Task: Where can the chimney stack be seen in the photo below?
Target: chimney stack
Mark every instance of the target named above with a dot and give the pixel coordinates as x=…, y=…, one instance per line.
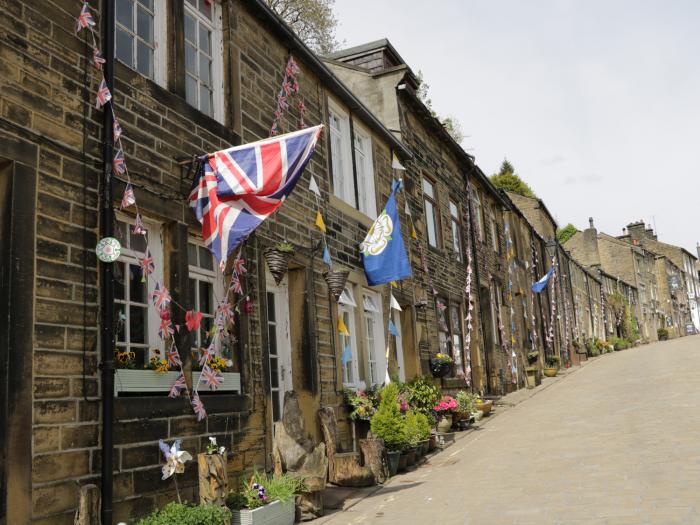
x=590, y=222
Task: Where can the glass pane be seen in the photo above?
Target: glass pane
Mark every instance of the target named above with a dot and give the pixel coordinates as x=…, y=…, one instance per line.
x=272, y=339
x=191, y=90
x=206, y=260
x=191, y=59
x=137, y=324
x=124, y=51
x=119, y=229
x=205, y=301
x=205, y=8
x=119, y=281
x=428, y=188
x=190, y=29
x=204, y=327
x=276, y=412
x=204, y=39
x=121, y=325
x=430, y=223
x=455, y=319
x=144, y=59
x=271, y=307
x=137, y=242
x=192, y=294
x=137, y=287
x=125, y=13
x=148, y=4
x=145, y=25
x=453, y=210
x=274, y=374
x=192, y=254
x=204, y=69
x=204, y=99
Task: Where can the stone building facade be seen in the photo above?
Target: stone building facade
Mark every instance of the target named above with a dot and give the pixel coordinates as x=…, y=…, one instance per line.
x=51, y=168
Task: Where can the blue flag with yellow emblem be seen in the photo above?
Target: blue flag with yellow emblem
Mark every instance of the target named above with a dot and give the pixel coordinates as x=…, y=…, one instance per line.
x=383, y=251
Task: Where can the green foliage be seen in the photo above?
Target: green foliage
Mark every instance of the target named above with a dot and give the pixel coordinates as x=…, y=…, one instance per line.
x=566, y=233
x=662, y=333
x=422, y=395
x=553, y=361
x=424, y=426
x=188, y=515
x=312, y=20
x=363, y=403
x=619, y=343
x=282, y=488
x=450, y=122
x=388, y=423
x=413, y=431
x=466, y=402
x=507, y=179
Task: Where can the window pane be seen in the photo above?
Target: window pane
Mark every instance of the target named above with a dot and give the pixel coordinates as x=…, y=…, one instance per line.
x=205, y=8
x=125, y=13
x=453, y=210
x=137, y=287
x=430, y=223
x=137, y=242
x=137, y=324
x=428, y=189
x=276, y=411
x=204, y=39
x=119, y=281
x=204, y=99
x=190, y=29
x=191, y=59
x=192, y=254
x=205, y=302
x=192, y=294
x=272, y=339
x=205, y=340
x=191, y=90
x=271, y=307
x=144, y=59
x=148, y=4
x=121, y=325
x=274, y=374
x=124, y=49
x=145, y=25
x=206, y=260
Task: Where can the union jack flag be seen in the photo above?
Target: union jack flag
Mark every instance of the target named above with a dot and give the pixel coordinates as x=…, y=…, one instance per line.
x=237, y=189
x=204, y=358
x=236, y=285
x=226, y=312
x=103, y=94
x=165, y=330
x=178, y=386
x=85, y=19
x=97, y=58
x=116, y=130
x=128, y=198
x=239, y=265
x=118, y=163
x=139, y=228
x=161, y=296
x=198, y=407
x=211, y=378
x=174, y=356
x=147, y=263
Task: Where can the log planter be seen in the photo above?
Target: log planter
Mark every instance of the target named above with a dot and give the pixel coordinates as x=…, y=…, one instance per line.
x=275, y=513
x=336, y=282
x=374, y=456
x=213, y=479
x=278, y=262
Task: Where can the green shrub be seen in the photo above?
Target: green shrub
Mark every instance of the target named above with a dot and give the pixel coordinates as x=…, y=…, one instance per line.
x=282, y=488
x=662, y=333
x=188, y=515
x=413, y=431
x=422, y=395
x=619, y=344
x=466, y=402
x=424, y=426
x=388, y=423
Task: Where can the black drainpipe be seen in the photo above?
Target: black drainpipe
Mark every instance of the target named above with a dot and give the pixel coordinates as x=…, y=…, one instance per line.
x=107, y=278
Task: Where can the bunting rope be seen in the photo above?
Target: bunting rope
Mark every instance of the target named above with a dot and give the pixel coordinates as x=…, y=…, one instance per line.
x=510, y=262
x=533, y=331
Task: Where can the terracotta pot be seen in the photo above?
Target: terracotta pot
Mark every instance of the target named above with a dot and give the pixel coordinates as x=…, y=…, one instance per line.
x=550, y=372
x=278, y=262
x=336, y=282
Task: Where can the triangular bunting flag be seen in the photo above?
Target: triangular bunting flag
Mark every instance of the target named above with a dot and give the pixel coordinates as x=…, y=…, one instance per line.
x=408, y=209
x=342, y=328
x=313, y=187
x=393, y=303
x=393, y=330
x=327, y=256
x=347, y=355
x=395, y=164
x=414, y=235
x=319, y=222
x=193, y=320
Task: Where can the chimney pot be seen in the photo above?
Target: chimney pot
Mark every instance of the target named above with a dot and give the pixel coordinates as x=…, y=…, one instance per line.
x=590, y=222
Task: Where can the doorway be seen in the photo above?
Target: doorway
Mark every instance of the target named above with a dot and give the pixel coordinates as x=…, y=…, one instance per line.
x=279, y=345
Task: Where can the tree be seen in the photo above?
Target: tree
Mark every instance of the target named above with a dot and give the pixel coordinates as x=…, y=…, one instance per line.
x=450, y=123
x=507, y=179
x=566, y=233
x=312, y=20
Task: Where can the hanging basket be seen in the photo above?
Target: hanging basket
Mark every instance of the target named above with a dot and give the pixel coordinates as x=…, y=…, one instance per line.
x=336, y=282
x=278, y=262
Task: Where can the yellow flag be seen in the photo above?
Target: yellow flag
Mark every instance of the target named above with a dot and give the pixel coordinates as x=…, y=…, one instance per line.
x=319, y=222
x=393, y=284
x=413, y=232
x=342, y=328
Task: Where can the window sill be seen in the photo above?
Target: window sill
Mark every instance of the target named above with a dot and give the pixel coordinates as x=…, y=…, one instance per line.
x=348, y=210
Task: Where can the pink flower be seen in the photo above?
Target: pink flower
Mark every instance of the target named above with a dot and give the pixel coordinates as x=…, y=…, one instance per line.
x=446, y=404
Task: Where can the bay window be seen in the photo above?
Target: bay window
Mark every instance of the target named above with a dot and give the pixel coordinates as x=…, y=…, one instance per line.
x=348, y=342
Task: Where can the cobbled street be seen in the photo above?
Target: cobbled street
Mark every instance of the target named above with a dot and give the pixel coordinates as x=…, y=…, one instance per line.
x=615, y=442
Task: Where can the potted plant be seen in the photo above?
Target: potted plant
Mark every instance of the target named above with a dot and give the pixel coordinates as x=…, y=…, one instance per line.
x=362, y=403
x=265, y=500
x=388, y=424
x=277, y=258
x=663, y=334
x=466, y=406
x=184, y=513
x=422, y=395
x=444, y=410
x=532, y=357
x=552, y=366
x=424, y=432
x=483, y=405
x=413, y=436
x=441, y=365
x=336, y=281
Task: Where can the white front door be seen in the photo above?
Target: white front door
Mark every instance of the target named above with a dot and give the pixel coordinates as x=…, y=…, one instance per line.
x=279, y=345
x=398, y=345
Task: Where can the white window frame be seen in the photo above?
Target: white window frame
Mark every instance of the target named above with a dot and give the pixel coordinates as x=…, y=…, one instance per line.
x=130, y=256
x=456, y=229
x=494, y=233
x=479, y=215
x=364, y=167
x=398, y=341
x=198, y=273
x=160, y=57
x=341, y=154
x=434, y=234
x=373, y=320
x=283, y=342
x=217, y=54
x=347, y=305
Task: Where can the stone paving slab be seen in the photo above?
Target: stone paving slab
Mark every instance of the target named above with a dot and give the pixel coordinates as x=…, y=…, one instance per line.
x=616, y=441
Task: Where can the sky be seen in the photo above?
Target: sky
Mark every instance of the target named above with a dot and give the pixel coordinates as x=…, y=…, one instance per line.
x=595, y=102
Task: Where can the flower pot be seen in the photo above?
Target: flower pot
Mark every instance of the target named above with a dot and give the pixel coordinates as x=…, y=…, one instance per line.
x=432, y=442
x=336, y=282
x=439, y=369
x=445, y=423
x=410, y=456
x=278, y=262
x=403, y=461
x=485, y=407
x=419, y=451
x=393, y=457
x=275, y=513
x=465, y=424
x=446, y=439
x=550, y=372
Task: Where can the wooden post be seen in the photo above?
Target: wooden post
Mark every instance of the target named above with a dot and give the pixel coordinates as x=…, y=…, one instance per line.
x=375, y=458
x=88, y=512
x=213, y=480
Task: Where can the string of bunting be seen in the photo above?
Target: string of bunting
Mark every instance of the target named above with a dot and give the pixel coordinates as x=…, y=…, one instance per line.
x=533, y=319
x=160, y=297
x=468, y=288
x=290, y=86
x=553, y=309
x=510, y=262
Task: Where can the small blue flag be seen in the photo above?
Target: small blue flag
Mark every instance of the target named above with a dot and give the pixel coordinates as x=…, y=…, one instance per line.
x=327, y=256
x=392, y=329
x=383, y=251
x=347, y=355
x=542, y=283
